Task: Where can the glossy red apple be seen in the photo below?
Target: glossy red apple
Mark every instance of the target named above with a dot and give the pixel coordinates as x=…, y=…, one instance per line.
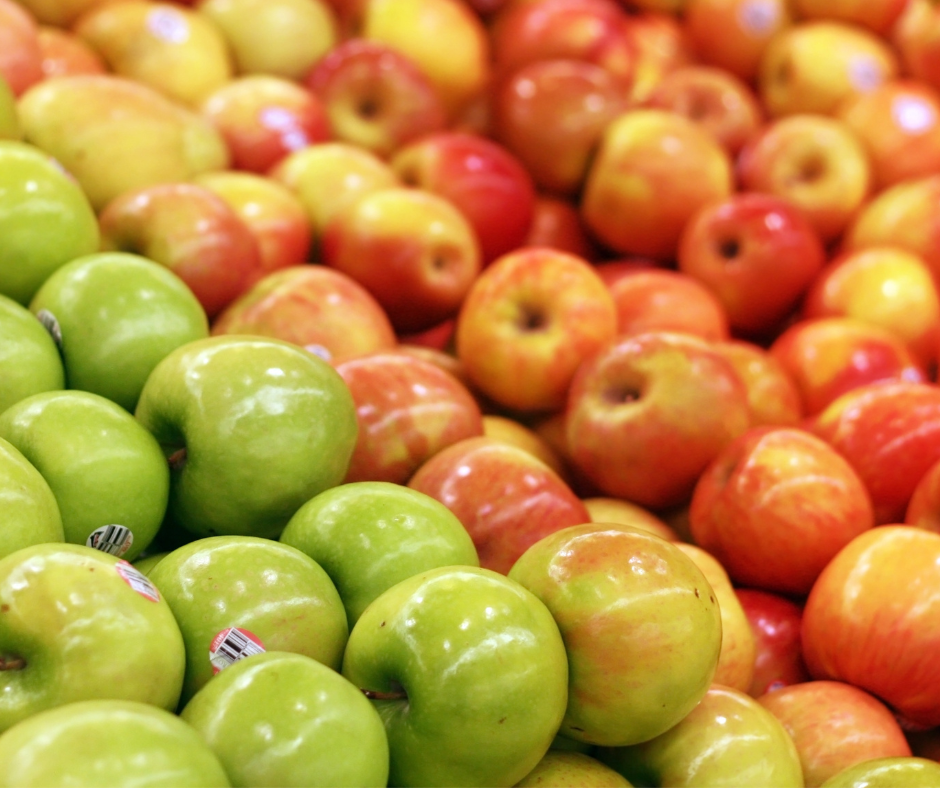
x=556, y=224
x=923, y=508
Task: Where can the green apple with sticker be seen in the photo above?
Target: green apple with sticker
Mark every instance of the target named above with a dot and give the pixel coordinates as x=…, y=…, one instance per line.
x=29, y=359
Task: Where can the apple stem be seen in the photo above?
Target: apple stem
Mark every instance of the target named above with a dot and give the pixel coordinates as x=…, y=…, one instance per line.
x=177, y=459
x=12, y=663
x=377, y=695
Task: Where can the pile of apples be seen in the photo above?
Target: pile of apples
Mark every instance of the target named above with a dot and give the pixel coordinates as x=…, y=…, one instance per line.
x=470, y=392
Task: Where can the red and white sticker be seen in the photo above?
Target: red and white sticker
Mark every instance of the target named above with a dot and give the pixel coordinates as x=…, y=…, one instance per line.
x=232, y=644
x=111, y=539
x=137, y=580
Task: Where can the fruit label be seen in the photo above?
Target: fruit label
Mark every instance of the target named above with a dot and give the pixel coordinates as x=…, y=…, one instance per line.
x=319, y=350
x=167, y=25
x=51, y=325
x=111, y=539
x=758, y=17
x=137, y=580
x=864, y=73
x=232, y=644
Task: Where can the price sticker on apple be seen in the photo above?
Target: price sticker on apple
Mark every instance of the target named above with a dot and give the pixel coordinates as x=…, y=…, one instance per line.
x=51, y=324
x=111, y=539
x=231, y=645
x=137, y=580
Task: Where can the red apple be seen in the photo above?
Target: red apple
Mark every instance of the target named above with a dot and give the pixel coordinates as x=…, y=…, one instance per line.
x=20, y=52
x=878, y=16
x=556, y=224
x=916, y=38
x=64, y=53
x=923, y=508
x=771, y=394
x=662, y=45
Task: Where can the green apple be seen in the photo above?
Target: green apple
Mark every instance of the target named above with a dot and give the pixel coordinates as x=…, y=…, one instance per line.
x=901, y=772
x=79, y=624
x=467, y=670
x=285, y=720
x=106, y=743
x=115, y=315
x=28, y=508
x=45, y=219
x=727, y=741
x=572, y=770
x=29, y=359
x=254, y=428
x=109, y=476
x=641, y=625
x=271, y=590
x=368, y=536
x=146, y=564
x=9, y=121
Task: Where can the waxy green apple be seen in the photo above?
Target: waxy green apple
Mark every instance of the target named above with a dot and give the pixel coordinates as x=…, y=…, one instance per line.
x=572, y=770
x=905, y=772
x=254, y=428
x=107, y=743
x=285, y=720
x=109, y=476
x=29, y=359
x=467, y=670
x=30, y=512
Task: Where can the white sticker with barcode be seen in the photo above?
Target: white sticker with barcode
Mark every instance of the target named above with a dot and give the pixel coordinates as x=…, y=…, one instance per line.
x=232, y=644
x=137, y=580
x=111, y=539
x=51, y=324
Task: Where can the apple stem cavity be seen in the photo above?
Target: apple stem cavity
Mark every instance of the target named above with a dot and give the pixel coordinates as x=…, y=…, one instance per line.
x=177, y=459
x=395, y=694
x=12, y=663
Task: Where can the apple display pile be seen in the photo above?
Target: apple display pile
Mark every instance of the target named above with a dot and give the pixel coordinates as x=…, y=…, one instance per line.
x=470, y=392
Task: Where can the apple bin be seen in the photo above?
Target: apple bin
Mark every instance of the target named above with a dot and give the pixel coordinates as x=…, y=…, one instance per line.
x=470, y=392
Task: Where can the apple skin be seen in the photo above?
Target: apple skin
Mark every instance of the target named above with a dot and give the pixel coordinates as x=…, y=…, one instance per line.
x=516, y=433
x=923, y=508
x=102, y=465
x=9, y=120
x=68, y=639
x=64, y=53
x=641, y=627
x=879, y=16
x=45, y=219
x=118, y=315
x=462, y=712
x=20, y=54
x=368, y=536
x=771, y=394
x=915, y=39
x=835, y=726
x=29, y=359
x=572, y=770
x=329, y=732
x=556, y=224
x=108, y=742
x=30, y=511
x=265, y=426
x=616, y=510
x=888, y=773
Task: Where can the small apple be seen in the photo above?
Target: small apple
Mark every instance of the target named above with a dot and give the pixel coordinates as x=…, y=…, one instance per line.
x=30, y=512
x=516, y=433
x=775, y=621
x=29, y=359
x=572, y=770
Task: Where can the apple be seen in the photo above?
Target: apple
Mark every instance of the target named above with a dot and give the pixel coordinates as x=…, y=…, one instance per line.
x=772, y=395
x=603, y=509
x=114, y=316
x=556, y=224
x=9, y=120
x=914, y=37
x=888, y=773
x=30, y=512
x=268, y=426
x=60, y=13
x=29, y=359
x=108, y=474
x=923, y=508
x=45, y=219
x=108, y=742
x=662, y=44
x=878, y=16
x=20, y=54
x=572, y=769
x=281, y=719
x=467, y=670
x=83, y=625
x=516, y=433
x=368, y=536
x=65, y=53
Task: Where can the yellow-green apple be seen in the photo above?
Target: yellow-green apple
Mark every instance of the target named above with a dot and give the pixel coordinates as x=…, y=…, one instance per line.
x=663, y=299
x=283, y=719
x=408, y=410
x=59, y=13
x=528, y=103
x=834, y=726
x=729, y=739
x=375, y=96
x=572, y=769
x=468, y=672
x=640, y=623
x=733, y=34
x=813, y=66
x=603, y=509
x=653, y=169
x=411, y=249
x=661, y=45
x=368, y=536
x=487, y=184
x=916, y=39
x=114, y=316
x=10, y=128
x=871, y=620
x=108, y=475
x=20, y=55
x=528, y=322
x=906, y=772
x=556, y=223
x=506, y=499
x=114, y=134
x=264, y=118
x=146, y=564
x=108, y=742
x=648, y=412
x=30, y=512
x=719, y=101
x=29, y=359
x=826, y=357
x=79, y=624
x=191, y=231
x=771, y=393
x=776, y=623
x=886, y=286
x=923, y=508
x=281, y=38
x=878, y=16
x=814, y=161
x=318, y=308
x=888, y=432
x=168, y=47
x=253, y=428
x=64, y=53
x=514, y=432
x=269, y=210
x=45, y=219
x=757, y=253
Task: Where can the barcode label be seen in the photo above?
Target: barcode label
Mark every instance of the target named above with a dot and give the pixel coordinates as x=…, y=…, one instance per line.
x=51, y=324
x=231, y=645
x=137, y=580
x=111, y=539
